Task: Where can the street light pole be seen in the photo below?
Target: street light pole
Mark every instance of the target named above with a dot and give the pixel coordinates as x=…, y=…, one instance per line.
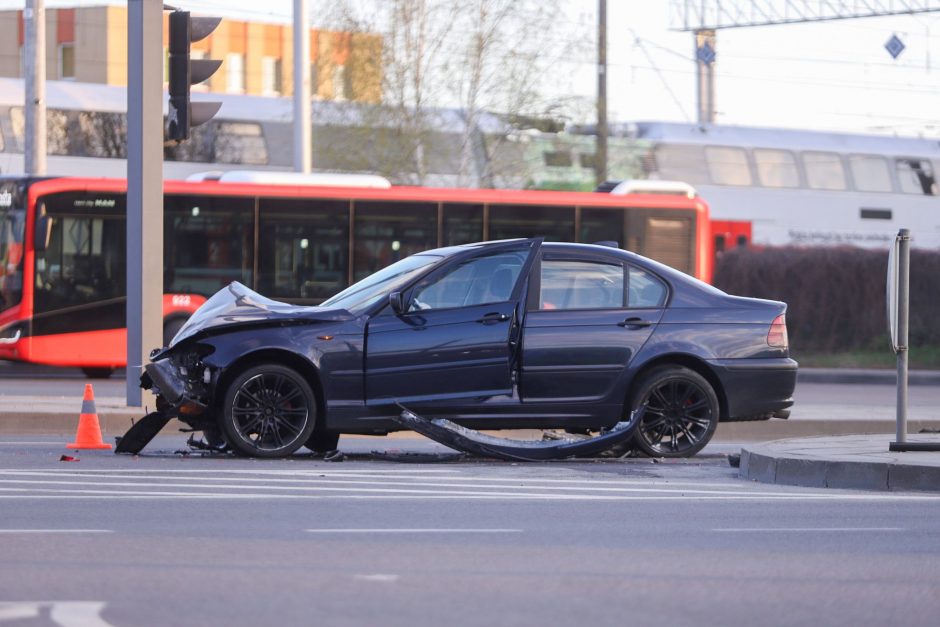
x=302, y=123
x=34, y=68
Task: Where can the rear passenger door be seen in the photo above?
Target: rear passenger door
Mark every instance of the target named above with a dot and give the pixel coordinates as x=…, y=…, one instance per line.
x=587, y=317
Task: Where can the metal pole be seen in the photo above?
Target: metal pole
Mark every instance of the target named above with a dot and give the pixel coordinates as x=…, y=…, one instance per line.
x=600, y=163
x=904, y=276
x=34, y=66
x=705, y=76
x=302, y=122
x=144, y=188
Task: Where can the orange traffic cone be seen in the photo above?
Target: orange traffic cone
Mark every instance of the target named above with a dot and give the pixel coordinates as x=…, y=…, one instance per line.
x=89, y=430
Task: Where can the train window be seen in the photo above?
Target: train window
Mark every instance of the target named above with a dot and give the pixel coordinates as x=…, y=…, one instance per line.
x=240, y=142
x=557, y=158
x=601, y=224
x=679, y=163
x=870, y=173
x=916, y=176
x=776, y=168
x=669, y=241
x=728, y=166
x=824, y=170
x=102, y=134
x=57, y=132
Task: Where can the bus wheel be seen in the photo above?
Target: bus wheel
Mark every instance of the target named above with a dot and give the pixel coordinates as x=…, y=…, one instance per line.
x=269, y=411
x=170, y=328
x=98, y=373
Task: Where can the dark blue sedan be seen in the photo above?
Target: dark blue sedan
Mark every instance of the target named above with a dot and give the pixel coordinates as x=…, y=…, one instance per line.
x=497, y=335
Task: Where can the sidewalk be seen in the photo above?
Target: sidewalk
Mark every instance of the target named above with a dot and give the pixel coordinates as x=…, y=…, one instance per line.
x=859, y=462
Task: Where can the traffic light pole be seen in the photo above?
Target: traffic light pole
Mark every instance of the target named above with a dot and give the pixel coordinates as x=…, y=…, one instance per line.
x=144, y=188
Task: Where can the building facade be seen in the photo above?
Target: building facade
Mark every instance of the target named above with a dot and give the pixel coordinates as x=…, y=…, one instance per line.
x=89, y=44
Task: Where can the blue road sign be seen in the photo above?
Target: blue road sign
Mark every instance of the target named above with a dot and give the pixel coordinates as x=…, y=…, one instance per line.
x=706, y=54
x=895, y=46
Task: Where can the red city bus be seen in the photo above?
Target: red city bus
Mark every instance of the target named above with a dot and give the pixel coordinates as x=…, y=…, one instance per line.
x=63, y=246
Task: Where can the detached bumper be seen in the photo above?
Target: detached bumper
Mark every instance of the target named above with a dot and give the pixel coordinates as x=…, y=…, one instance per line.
x=756, y=387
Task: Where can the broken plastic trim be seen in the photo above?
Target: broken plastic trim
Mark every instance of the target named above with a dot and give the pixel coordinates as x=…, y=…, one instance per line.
x=141, y=432
x=466, y=440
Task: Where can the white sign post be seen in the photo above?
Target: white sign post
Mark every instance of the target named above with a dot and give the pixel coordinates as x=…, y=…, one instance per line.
x=898, y=300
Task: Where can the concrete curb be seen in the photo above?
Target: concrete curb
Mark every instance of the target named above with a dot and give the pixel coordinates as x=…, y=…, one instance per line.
x=848, y=462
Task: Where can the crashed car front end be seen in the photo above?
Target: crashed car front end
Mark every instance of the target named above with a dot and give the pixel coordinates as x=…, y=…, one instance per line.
x=229, y=327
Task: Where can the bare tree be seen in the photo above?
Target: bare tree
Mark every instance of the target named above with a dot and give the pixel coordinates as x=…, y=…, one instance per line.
x=463, y=57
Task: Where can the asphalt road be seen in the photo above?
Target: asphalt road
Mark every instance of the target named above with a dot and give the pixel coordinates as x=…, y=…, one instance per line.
x=188, y=540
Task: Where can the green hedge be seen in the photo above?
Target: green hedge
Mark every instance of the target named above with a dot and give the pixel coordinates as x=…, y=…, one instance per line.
x=836, y=296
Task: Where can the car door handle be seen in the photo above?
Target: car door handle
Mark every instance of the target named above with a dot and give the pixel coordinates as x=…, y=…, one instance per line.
x=494, y=317
x=634, y=322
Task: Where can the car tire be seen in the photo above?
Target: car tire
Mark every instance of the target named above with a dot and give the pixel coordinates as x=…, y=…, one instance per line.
x=680, y=412
x=268, y=411
x=322, y=442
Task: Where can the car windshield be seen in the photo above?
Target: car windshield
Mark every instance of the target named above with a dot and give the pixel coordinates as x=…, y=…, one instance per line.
x=12, y=222
x=371, y=289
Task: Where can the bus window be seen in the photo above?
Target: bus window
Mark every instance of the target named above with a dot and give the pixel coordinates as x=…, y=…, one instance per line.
x=598, y=225
x=208, y=243
x=463, y=224
x=303, y=252
x=385, y=232
x=84, y=264
x=916, y=176
x=870, y=173
x=728, y=166
x=12, y=226
x=776, y=168
x=824, y=170
x=555, y=224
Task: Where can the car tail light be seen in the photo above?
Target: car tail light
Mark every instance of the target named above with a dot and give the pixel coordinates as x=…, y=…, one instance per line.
x=777, y=335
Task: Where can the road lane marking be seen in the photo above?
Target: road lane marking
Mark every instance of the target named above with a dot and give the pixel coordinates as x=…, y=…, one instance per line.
x=332, y=478
x=56, y=531
x=63, y=613
x=805, y=529
x=381, y=578
x=414, y=530
x=52, y=494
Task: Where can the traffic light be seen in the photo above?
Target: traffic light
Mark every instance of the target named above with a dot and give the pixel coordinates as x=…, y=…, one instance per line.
x=183, y=72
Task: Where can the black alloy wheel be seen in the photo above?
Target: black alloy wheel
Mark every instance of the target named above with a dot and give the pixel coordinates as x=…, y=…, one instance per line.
x=269, y=411
x=680, y=412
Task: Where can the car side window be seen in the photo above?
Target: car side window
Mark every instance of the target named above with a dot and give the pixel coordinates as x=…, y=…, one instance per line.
x=645, y=290
x=481, y=280
x=568, y=284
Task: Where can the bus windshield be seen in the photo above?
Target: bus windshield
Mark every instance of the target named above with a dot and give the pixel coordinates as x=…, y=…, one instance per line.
x=368, y=291
x=12, y=226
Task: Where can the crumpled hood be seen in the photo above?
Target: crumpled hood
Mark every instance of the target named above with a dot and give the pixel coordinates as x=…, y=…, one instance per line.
x=237, y=305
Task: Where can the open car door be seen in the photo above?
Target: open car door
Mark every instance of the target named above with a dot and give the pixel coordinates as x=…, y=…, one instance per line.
x=456, y=330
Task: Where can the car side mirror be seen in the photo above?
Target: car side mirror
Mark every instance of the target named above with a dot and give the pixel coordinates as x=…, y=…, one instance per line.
x=397, y=302
x=43, y=231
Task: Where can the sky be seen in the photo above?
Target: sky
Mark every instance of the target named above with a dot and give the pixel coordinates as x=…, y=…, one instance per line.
x=827, y=76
